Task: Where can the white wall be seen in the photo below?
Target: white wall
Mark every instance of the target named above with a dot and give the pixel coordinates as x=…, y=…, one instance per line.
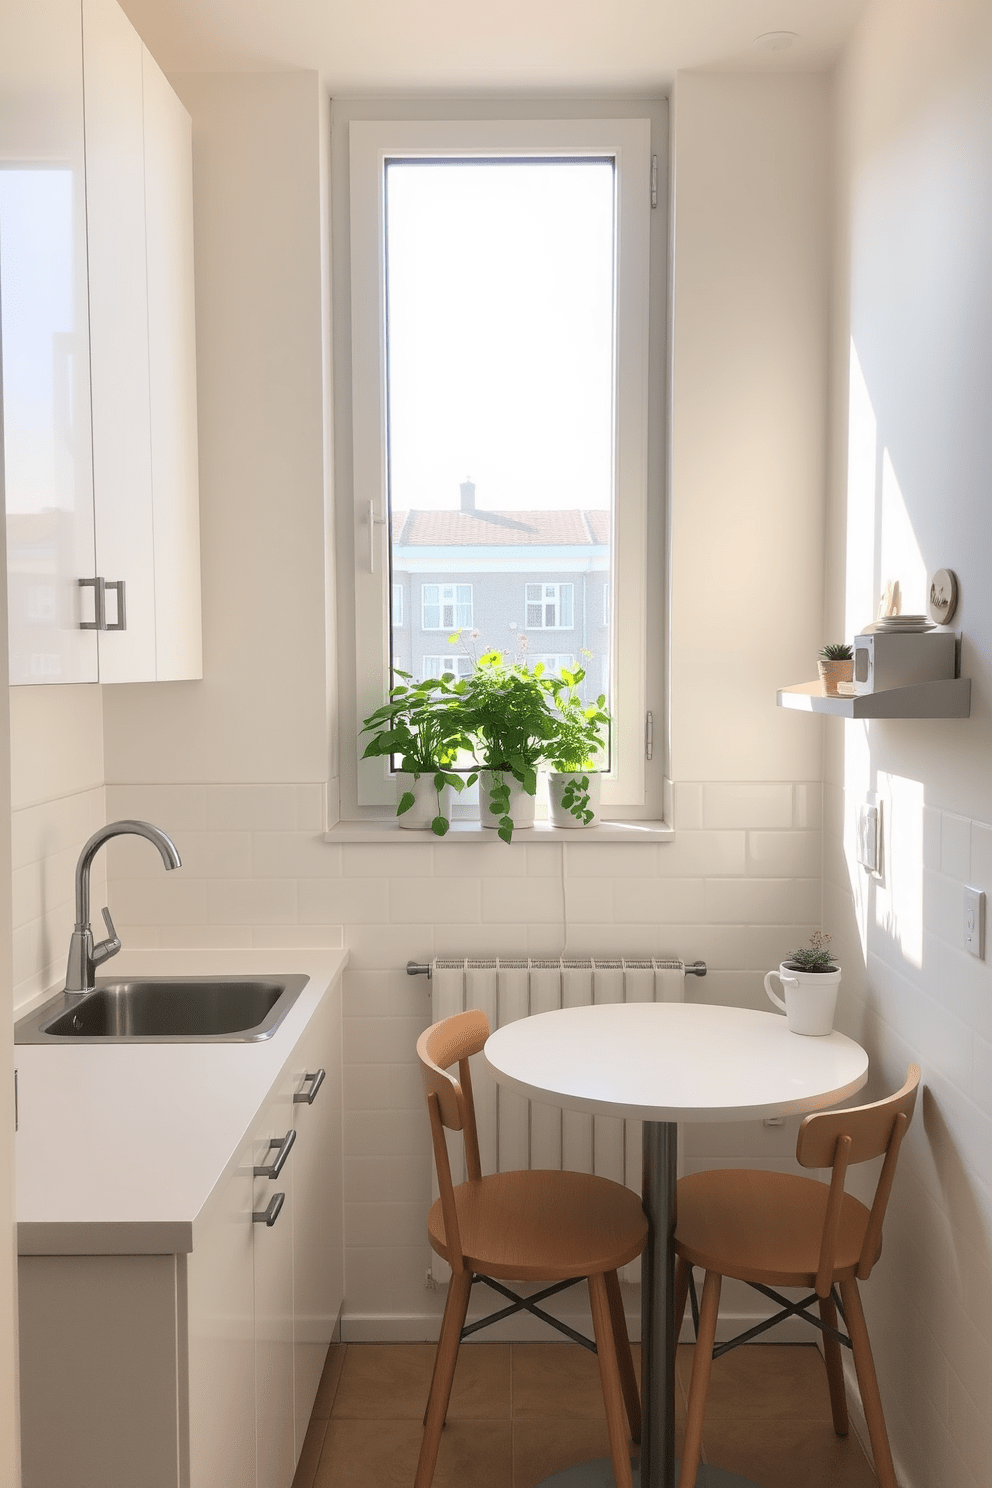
x=235, y=766
x=910, y=494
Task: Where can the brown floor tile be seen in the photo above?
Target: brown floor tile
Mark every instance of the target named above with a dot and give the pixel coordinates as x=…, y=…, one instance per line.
x=787, y=1454
x=390, y=1381
x=764, y=1381
x=327, y=1388
x=541, y=1448
x=306, y=1468
x=475, y=1454
x=555, y=1380
x=369, y=1454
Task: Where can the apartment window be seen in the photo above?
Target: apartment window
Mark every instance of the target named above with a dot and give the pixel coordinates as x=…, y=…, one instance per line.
x=398, y=621
x=550, y=606
x=446, y=606
x=496, y=274
x=436, y=666
x=554, y=663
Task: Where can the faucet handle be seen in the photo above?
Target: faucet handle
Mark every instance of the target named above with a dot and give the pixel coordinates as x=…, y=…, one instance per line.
x=106, y=948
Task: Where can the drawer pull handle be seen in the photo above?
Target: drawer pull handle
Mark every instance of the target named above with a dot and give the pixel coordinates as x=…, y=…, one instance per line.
x=273, y=1169
x=269, y=1215
x=306, y=1097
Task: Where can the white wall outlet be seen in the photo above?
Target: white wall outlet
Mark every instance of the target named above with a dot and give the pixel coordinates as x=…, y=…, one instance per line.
x=974, y=922
x=868, y=838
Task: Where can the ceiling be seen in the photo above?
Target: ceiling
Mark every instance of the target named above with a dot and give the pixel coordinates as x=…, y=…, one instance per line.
x=466, y=46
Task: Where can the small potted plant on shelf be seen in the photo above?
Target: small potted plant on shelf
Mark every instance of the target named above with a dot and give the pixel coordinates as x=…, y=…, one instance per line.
x=835, y=664
x=509, y=714
x=580, y=738
x=424, y=724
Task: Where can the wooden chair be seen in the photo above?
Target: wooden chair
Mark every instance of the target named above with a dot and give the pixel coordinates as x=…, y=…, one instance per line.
x=523, y=1226
x=776, y=1229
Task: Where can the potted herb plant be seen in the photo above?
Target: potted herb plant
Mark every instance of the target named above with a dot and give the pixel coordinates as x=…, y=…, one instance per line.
x=509, y=714
x=578, y=742
x=424, y=724
x=835, y=664
x=810, y=978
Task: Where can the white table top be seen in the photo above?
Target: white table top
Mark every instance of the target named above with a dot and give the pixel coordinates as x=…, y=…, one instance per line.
x=674, y=1062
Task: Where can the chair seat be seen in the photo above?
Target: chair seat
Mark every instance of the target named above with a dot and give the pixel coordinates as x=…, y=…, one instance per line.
x=761, y=1226
x=543, y=1226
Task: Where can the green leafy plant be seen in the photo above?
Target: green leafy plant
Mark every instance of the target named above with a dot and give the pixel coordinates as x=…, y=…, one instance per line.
x=508, y=711
x=815, y=956
x=424, y=724
x=836, y=651
x=578, y=741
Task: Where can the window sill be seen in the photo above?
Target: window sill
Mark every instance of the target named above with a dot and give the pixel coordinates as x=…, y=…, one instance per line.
x=473, y=831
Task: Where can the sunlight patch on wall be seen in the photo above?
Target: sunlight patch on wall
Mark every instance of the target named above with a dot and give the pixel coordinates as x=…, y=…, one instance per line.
x=857, y=783
x=899, y=894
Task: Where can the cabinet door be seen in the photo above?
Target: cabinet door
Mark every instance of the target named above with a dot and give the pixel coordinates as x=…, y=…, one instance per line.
x=44, y=343
x=273, y=1265
x=115, y=202
x=221, y=1331
x=318, y=1268
x=172, y=377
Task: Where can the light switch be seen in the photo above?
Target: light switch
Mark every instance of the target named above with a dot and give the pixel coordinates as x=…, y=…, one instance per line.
x=974, y=922
x=868, y=838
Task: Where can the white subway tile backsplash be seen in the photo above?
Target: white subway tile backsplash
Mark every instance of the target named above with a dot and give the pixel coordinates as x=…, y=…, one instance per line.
x=377, y=946
x=476, y=860
x=484, y=939
x=381, y=1086
x=728, y=804
x=749, y=901
x=343, y=901
x=385, y=1134
x=612, y=860
x=981, y=857
x=390, y=1040
x=701, y=854
x=405, y=1179
x=687, y=805
x=293, y=855
x=174, y=808
x=204, y=855
x=178, y=936
x=368, y=860
x=252, y=901
x=170, y=898
x=385, y=1224
x=784, y=854
x=317, y=937
x=955, y=846
x=255, y=808
x=522, y=901
x=658, y=900
x=808, y=805
x=419, y=901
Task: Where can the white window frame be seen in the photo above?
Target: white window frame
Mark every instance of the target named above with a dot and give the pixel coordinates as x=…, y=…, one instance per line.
x=632, y=788
x=447, y=595
x=556, y=599
x=398, y=616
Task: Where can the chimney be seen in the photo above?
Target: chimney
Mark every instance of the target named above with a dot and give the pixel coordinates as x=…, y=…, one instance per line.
x=467, y=489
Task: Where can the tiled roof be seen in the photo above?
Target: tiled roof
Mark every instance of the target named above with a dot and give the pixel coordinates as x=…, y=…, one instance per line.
x=443, y=529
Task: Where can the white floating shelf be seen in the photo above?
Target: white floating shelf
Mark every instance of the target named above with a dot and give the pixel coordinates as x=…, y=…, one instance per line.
x=949, y=698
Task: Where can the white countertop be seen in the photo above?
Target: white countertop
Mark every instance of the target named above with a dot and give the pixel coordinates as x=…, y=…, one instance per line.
x=119, y=1149
x=674, y=1062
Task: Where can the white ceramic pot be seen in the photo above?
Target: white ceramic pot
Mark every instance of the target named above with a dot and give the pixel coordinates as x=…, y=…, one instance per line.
x=810, y=998
x=521, y=804
x=558, y=783
x=428, y=802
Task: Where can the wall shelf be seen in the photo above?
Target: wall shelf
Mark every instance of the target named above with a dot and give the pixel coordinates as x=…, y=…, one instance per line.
x=948, y=698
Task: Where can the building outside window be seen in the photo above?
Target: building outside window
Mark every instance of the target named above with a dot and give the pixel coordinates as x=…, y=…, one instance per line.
x=550, y=607
x=446, y=606
x=398, y=620
x=436, y=666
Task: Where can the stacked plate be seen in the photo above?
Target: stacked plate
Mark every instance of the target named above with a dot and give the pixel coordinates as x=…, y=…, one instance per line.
x=893, y=624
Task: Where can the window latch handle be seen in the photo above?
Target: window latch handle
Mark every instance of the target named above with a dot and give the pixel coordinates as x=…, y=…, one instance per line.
x=374, y=522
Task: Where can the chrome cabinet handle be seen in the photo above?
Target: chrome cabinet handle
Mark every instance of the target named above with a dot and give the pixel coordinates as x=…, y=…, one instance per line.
x=99, y=621
x=306, y=1097
x=273, y=1169
x=270, y=1214
x=121, y=623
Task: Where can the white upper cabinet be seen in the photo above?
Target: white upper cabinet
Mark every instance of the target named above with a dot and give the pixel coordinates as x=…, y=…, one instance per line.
x=99, y=376
x=44, y=344
x=143, y=363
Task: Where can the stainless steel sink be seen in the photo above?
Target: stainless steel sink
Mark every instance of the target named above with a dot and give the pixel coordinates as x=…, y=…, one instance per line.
x=176, y=1010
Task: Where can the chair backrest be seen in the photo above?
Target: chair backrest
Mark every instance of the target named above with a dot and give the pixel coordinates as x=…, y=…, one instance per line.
x=449, y=1101
x=837, y=1139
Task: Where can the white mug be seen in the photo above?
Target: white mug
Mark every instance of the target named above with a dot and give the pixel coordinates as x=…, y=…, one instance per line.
x=810, y=998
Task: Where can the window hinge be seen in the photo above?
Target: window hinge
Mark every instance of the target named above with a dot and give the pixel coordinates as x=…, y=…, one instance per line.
x=649, y=736
x=654, y=196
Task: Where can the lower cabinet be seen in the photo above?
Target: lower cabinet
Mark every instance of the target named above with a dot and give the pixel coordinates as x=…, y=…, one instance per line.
x=200, y=1370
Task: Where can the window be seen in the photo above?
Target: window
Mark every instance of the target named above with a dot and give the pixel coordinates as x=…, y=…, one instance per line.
x=446, y=606
x=494, y=275
x=554, y=663
x=436, y=666
x=550, y=607
x=398, y=607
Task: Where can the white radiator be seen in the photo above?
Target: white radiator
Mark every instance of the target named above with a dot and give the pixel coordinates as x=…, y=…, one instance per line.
x=513, y=1131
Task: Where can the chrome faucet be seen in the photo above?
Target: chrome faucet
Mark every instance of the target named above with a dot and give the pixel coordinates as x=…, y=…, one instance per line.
x=84, y=956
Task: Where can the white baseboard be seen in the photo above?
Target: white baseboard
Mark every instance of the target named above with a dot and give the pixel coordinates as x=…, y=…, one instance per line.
x=423, y=1327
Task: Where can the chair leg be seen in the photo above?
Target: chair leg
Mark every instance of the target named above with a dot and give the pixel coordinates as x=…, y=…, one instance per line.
x=835, y=1369
x=621, y=1342
x=868, y=1383
x=609, y=1378
x=702, y=1364
x=455, y=1308
x=682, y=1269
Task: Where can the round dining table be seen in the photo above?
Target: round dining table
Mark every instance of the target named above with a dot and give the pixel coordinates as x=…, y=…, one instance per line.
x=662, y=1063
